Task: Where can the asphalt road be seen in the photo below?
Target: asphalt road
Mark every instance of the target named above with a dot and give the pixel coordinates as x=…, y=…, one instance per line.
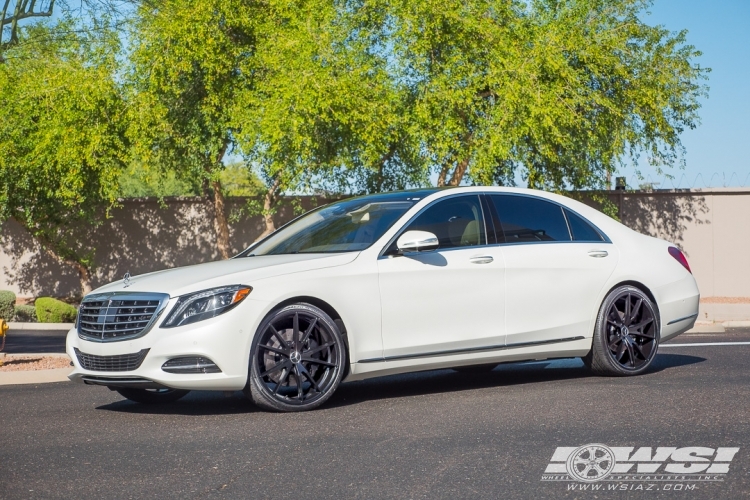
x=435, y=434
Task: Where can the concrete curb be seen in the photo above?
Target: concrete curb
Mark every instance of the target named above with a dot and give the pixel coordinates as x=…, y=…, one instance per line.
x=36, y=376
x=40, y=326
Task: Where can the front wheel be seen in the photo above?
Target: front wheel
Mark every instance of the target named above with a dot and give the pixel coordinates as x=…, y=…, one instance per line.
x=151, y=396
x=626, y=336
x=297, y=359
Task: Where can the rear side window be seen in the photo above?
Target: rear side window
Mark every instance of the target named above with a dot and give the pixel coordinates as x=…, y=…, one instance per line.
x=526, y=219
x=581, y=229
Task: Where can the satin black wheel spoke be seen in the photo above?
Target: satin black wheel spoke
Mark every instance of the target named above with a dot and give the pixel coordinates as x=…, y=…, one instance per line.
x=617, y=321
x=316, y=361
x=643, y=334
x=639, y=348
x=642, y=324
x=631, y=354
x=298, y=377
x=278, y=336
x=614, y=343
x=282, y=379
x=319, y=348
x=295, y=332
x=621, y=351
x=626, y=315
x=309, y=330
x=276, y=367
x=307, y=375
x=636, y=310
x=274, y=349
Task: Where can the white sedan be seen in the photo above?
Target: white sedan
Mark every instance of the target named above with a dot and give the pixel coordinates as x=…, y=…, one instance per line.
x=461, y=278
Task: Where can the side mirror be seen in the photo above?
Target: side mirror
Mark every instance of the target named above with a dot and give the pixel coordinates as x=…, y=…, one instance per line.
x=417, y=241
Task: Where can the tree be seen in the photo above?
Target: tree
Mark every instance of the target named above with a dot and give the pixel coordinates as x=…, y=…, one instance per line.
x=560, y=92
x=184, y=79
x=61, y=137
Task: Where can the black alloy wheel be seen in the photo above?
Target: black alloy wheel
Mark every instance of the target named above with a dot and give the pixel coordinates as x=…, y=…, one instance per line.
x=151, y=396
x=297, y=359
x=627, y=334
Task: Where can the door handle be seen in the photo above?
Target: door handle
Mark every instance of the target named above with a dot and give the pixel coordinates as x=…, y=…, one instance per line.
x=598, y=253
x=482, y=259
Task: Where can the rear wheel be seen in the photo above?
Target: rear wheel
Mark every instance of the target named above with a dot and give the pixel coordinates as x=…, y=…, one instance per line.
x=151, y=396
x=297, y=359
x=626, y=337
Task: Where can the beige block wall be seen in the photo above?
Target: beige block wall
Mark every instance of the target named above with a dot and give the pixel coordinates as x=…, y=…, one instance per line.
x=711, y=226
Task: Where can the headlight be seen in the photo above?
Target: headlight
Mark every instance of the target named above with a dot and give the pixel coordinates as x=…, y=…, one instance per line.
x=206, y=304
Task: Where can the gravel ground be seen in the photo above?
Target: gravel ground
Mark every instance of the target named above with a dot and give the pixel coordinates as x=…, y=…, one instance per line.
x=15, y=363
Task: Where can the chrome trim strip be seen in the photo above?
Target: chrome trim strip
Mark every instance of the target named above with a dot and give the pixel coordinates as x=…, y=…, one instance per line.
x=682, y=319
x=468, y=350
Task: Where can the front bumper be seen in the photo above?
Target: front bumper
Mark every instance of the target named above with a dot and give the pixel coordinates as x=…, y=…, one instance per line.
x=224, y=339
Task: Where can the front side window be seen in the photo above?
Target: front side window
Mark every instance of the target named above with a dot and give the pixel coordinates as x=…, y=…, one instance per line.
x=346, y=226
x=525, y=219
x=457, y=222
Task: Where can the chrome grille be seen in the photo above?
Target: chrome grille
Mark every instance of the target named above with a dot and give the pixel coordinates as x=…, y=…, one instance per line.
x=118, y=316
x=119, y=363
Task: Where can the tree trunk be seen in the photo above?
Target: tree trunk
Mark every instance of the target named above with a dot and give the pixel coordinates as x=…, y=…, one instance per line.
x=221, y=224
x=268, y=202
x=443, y=174
x=84, y=273
x=458, y=173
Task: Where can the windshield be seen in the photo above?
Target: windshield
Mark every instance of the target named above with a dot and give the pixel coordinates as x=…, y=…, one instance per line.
x=345, y=226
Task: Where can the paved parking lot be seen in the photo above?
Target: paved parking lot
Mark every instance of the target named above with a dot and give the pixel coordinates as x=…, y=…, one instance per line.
x=436, y=434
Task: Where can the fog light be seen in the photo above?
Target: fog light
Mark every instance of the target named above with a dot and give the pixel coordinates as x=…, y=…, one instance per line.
x=193, y=364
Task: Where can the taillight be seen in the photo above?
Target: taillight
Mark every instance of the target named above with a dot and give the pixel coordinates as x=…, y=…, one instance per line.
x=680, y=257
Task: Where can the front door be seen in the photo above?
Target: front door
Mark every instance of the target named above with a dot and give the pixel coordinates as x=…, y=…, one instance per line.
x=449, y=299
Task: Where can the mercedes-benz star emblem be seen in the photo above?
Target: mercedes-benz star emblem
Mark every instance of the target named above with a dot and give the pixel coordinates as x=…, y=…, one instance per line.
x=295, y=357
x=126, y=279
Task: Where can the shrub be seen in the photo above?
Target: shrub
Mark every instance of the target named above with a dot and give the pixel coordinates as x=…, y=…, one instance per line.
x=26, y=314
x=7, y=303
x=49, y=310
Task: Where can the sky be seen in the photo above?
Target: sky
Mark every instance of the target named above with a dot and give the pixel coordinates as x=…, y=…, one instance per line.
x=717, y=150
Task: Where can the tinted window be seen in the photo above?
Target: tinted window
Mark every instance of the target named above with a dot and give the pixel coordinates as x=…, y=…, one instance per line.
x=527, y=219
x=582, y=230
x=457, y=222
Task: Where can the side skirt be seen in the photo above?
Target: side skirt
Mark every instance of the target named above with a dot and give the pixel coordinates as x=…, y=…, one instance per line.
x=469, y=350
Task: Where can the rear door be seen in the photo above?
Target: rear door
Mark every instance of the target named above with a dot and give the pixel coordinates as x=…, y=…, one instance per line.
x=556, y=264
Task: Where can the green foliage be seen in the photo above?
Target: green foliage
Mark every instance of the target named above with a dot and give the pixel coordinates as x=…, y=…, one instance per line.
x=49, y=310
x=61, y=134
x=7, y=304
x=238, y=180
x=26, y=314
x=138, y=181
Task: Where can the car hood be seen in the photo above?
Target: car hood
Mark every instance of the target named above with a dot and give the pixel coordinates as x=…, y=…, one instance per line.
x=239, y=271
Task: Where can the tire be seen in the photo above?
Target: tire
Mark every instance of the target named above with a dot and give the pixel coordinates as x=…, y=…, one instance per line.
x=474, y=369
x=626, y=336
x=297, y=360
x=151, y=396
